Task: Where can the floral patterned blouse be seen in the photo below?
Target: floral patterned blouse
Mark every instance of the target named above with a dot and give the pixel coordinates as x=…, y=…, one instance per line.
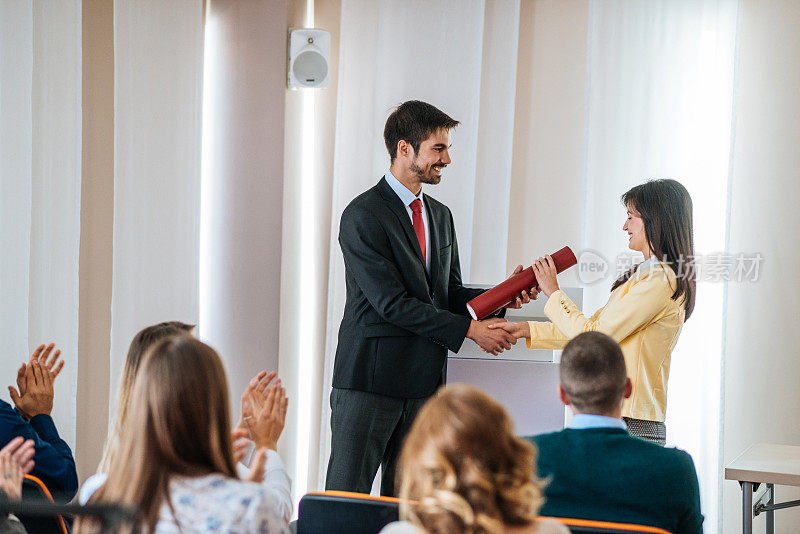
x=221, y=504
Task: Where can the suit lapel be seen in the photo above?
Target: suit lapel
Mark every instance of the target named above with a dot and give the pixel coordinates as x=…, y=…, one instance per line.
x=397, y=207
x=433, y=227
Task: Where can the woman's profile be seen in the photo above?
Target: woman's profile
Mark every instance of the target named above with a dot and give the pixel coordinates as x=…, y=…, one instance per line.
x=647, y=306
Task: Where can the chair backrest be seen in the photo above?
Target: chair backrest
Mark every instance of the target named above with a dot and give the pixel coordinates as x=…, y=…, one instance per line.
x=588, y=526
x=33, y=490
x=342, y=512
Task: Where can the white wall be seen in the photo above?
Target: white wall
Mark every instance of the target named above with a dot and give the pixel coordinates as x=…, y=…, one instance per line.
x=762, y=370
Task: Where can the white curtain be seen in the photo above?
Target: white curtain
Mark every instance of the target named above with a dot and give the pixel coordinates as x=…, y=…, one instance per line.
x=40, y=162
x=158, y=56
x=659, y=104
x=467, y=68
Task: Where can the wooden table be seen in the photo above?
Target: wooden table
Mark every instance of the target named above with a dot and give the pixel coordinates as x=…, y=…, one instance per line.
x=764, y=464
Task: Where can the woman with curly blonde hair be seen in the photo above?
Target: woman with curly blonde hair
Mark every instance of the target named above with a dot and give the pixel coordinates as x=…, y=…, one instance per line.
x=467, y=471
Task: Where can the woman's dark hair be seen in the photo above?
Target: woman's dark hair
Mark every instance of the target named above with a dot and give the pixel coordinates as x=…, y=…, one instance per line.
x=666, y=210
x=414, y=121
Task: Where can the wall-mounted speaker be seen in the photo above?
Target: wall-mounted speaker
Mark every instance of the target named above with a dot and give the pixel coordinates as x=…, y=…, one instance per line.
x=309, y=58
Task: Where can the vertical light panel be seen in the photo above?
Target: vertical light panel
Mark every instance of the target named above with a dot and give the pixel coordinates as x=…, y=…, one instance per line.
x=309, y=295
x=158, y=52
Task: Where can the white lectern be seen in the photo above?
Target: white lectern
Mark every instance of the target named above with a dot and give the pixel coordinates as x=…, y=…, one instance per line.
x=523, y=380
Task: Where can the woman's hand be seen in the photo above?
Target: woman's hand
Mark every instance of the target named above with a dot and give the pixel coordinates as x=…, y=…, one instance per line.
x=268, y=415
x=16, y=459
x=240, y=444
x=258, y=466
x=526, y=295
x=518, y=330
x=545, y=271
x=258, y=384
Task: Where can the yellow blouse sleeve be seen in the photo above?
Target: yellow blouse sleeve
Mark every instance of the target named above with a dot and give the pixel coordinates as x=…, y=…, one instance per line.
x=545, y=336
x=644, y=299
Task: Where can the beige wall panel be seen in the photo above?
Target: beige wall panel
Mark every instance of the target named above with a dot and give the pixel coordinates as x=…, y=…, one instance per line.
x=547, y=170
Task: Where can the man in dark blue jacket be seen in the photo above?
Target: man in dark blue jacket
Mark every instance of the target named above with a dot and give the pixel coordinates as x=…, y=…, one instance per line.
x=30, y=418
x=594, y=468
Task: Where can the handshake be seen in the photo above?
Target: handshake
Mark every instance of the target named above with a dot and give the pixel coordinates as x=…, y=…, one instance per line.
x=495, y=335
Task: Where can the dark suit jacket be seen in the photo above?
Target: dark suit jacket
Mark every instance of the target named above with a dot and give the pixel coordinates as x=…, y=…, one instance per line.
x=53, y=461
x=398, y=321
x=606, y=474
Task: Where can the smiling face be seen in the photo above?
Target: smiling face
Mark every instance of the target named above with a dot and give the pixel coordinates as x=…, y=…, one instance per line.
x=637, y=239
x=431, y=159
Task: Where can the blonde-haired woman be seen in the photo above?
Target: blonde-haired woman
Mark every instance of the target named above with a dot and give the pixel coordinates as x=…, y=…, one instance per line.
x=175, y=462
x=467, y=471
x=141, y=342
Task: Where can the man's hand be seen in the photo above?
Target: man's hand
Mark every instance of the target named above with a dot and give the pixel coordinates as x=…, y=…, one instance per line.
x=43, y=356
x=517, y=330
x=16, y=459
x=493, y=341
x=525, y=296
x=268, y=409
x=38, y=396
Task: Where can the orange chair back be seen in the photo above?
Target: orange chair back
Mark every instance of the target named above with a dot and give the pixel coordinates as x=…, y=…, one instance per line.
x=588, y=526
x=34, y=482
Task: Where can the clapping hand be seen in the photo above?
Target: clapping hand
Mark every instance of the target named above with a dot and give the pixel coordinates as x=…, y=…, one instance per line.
x=36, y=396
x=49, y=361
x=16, y=459
x=264, y=407
x=257, y=384
x=526, y=295
x=265, y=414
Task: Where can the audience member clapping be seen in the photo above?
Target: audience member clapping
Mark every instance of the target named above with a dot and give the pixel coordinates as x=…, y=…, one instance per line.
x=30, y=419
x=467, y=470
x=16, y=459
x=141, y=342
x=175, y=461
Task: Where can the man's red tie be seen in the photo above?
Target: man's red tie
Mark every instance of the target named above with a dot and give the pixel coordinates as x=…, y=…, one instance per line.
x=419, y=225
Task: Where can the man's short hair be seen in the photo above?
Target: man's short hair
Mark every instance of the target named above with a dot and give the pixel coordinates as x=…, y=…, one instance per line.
x=414, y=121
x=593, y=373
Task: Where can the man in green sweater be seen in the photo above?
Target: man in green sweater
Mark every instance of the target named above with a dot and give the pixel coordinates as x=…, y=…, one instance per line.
x=595, y=469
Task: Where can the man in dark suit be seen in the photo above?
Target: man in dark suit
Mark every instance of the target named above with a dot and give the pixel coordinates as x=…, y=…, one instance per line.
x=595, y=469
x=405, y=304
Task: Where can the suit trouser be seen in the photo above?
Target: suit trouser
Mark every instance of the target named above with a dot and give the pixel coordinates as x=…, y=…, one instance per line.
x=367, y=431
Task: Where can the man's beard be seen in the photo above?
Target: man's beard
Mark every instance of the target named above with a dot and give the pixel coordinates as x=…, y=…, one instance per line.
x=425, y=177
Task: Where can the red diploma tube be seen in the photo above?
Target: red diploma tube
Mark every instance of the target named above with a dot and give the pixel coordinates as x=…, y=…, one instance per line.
x=504, y=294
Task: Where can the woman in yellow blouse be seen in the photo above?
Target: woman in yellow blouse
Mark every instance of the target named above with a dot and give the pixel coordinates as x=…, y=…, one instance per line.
x=647, y=307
